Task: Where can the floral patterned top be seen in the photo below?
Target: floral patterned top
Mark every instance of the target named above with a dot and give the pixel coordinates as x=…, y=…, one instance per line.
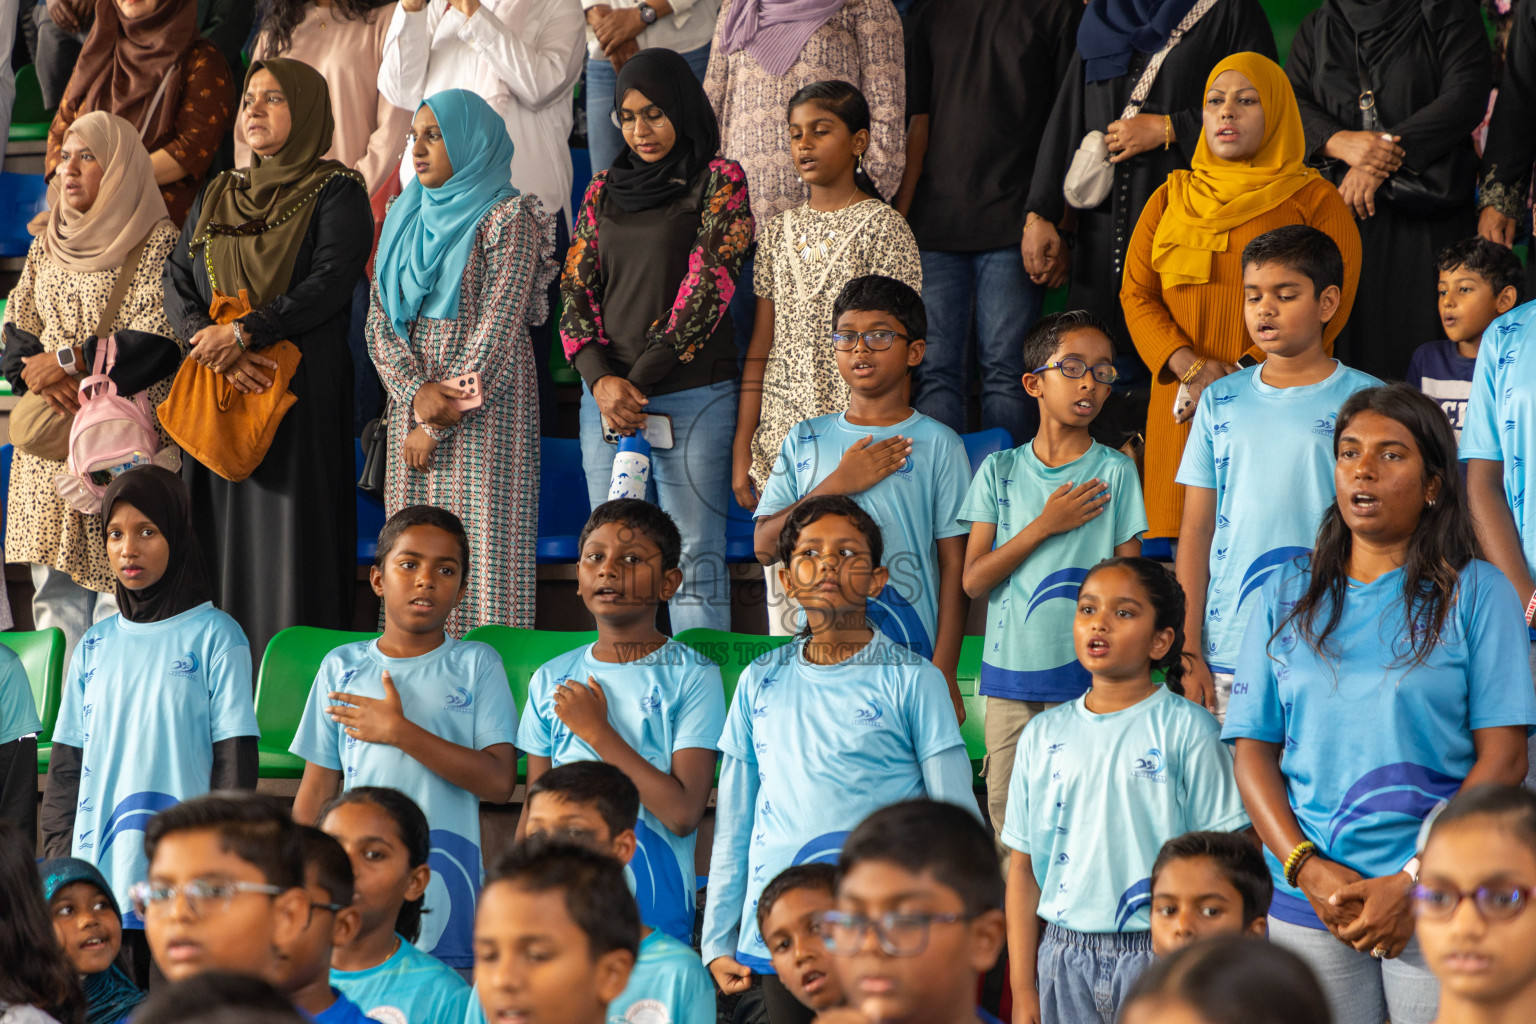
x=803, y=260
x=646, y=294
x=206, y=114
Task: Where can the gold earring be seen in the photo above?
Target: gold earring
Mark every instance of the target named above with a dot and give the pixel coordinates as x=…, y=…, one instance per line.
x=860, y=164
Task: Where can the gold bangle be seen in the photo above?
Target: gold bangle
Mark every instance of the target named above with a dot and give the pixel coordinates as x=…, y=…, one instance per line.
x=1194, y=370
x=1167, y=131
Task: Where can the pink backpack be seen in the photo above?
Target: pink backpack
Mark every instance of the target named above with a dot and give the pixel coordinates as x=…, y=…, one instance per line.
x=111, y=435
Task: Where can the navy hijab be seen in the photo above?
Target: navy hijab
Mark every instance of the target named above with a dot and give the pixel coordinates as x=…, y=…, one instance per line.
x=1112, y=31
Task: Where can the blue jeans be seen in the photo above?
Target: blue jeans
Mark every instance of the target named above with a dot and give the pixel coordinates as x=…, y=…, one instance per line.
x=1006, y=302
x=1084, y=977
x=604, y=141
x=691, y=481
x=1360, y=988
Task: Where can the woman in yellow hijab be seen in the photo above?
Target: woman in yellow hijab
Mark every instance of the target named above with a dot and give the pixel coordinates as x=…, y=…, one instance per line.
x=1183, y=286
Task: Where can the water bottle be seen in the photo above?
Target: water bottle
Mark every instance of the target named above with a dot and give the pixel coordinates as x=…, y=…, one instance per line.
x=631, y=468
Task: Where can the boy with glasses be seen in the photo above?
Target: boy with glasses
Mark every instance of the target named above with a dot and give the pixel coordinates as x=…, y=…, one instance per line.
x=1258, y=465
x=919, y=915
x=305, y=976
x=907, y=470
x=1041, y=515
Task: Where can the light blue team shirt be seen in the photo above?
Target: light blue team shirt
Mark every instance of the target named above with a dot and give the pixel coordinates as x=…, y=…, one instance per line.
x=1093, y=798
x=669, y=985
x=1028, y=652
x=1501, y=414
x=811, y=750
x=1267, y=452
x=18, y=711
x=458, y=692
x=410, y=987
x=671, y=700
x=145, y=702
x=1370, y=747
x=915, y=507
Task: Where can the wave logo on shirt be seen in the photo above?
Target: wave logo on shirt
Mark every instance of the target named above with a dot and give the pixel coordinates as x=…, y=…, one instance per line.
x=1222, y=463
x=1507, y=358
x=644, y=1011
x=803, y=465
x=824, y=849
x=132, y=813
x=907, y=466
x=1261, y=568
x=870, y=716
x=1224, y=399
x=1323, y=425
x=1399, y=790
x=186, y=665
x=90, y=643
x=891, y=613
x=1055, y=748
x=460, y=700
x=807, y=437
x=1221, y=554
x=84, y=841
x=1150, y=766
x=1063, y=583
x=448, y=930
x=650, y=704
x=87, y=676
x=1133, y=900
x=1221, y=428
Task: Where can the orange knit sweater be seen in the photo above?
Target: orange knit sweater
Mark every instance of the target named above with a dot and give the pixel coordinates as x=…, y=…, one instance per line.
x=1210, y=317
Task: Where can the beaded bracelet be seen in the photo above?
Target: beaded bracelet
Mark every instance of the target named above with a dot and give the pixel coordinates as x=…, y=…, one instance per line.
x=1299, y=856
x=1194, y=370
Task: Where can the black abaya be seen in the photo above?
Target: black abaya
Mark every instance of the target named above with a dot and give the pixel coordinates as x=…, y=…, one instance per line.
x=1504, y=181
x=1431, y=86
x=1098, y=262
x=281, y=545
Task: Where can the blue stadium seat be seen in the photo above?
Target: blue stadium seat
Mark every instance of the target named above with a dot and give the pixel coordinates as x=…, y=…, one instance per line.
x=738, y=534
x=370, y=515
x=22, y=196
x=563, y=503
x=983, y=443
x=1158, y=548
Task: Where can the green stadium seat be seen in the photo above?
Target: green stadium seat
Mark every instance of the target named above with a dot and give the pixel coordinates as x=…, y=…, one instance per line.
x=42, y=655
x=522, y=652
x=973, y=729
x=29, y=119
x=733, y=652
x=282, y=689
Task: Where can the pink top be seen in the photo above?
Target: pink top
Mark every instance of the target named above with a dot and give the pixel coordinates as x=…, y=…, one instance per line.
x=370, y=131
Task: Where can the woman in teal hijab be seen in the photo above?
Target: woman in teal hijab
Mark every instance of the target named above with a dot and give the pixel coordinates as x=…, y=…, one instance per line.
x=463, y=265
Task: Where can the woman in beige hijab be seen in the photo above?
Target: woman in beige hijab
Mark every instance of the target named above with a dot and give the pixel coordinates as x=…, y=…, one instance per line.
x=103, y=203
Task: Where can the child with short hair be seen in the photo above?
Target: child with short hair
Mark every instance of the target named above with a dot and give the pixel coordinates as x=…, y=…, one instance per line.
x=1208, y=883
x=419, y=710
x=635, y=699
x=224, y=889
x=595, y=805
x=1098, y=786
x=1040, y=516
x=789, y=920
x=1479, y=282
x=909, y=471
x=573, y=906
x=157, y=702
x=333, y=921
x=923, y=877
x=89, y=925
x=822, y=731
x=387, y=839
x=1258, y=466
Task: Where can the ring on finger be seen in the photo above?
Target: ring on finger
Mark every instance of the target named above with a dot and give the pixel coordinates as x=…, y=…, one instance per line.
x=1380, y=952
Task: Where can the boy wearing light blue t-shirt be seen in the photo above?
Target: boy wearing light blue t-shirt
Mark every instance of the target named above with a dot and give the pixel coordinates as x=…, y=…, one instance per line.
x=1258, y=465
x=908, y=470
x=418, y=711
x=19, y=726
x=1041, y=515
x=648, y=705
x=820, y=733
x=1498, y=442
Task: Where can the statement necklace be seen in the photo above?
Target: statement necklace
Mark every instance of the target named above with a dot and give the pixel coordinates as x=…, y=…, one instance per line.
x=814, y=250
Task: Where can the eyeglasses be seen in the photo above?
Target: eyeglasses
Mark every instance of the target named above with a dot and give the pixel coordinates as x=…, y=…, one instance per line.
x=432, y=135
x=624, y=120
x=203, y=897
x=1498, y=901
x=878, y=341
x=897, y=934
x=575, y=836
x=1104, y=373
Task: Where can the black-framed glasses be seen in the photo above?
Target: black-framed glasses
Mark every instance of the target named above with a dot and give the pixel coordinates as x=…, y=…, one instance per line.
x=1104, y=373
x=1497, y=901
x=624, y=120
x=877, y=341
x=203, y=896
x=898, y=934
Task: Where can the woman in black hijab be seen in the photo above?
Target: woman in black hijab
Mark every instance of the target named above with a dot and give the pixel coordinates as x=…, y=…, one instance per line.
x=658, y=246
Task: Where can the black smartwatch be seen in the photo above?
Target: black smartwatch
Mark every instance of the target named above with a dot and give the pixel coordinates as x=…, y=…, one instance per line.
x=647, y=13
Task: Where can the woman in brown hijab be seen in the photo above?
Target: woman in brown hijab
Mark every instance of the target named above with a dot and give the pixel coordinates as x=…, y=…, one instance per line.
x=145, y=62
x=291, y=232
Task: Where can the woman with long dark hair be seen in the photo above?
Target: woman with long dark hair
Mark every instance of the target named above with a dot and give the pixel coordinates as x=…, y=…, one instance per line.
x=38, y=984
x=1389, y=669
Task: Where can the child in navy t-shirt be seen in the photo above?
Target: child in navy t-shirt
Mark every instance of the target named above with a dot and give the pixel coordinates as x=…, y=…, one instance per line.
x=1479, y=281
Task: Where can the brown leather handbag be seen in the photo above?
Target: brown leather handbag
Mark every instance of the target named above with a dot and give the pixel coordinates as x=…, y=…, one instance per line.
x=224, y=428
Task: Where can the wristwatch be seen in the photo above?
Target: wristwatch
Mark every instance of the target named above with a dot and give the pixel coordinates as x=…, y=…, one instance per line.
x=66, y=357
x=647, y=13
